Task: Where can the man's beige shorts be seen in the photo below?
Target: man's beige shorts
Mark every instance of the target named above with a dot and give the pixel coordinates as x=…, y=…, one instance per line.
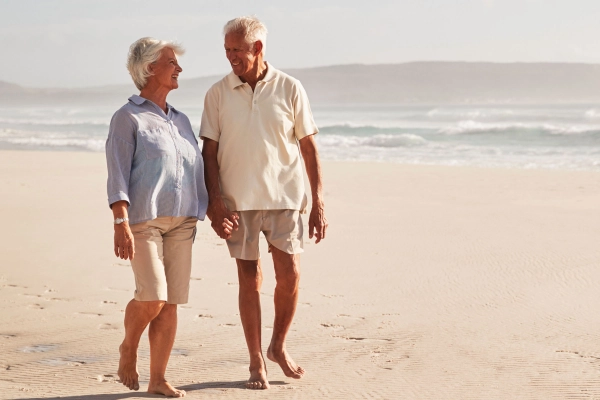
x=163, y=258
x=282, y=229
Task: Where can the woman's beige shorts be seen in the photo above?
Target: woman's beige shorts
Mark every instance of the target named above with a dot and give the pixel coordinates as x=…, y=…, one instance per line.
x=162, y=263
x=282, y=229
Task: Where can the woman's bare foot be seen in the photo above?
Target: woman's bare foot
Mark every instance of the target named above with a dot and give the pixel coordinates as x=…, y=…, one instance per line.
x=127, y=372
x=164, y=388
x=258, y=374
x=288, y=366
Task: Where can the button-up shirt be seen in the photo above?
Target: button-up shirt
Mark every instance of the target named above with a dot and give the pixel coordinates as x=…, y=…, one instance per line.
x=154, y=163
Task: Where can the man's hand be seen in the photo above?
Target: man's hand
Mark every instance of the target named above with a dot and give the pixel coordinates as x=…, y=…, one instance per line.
x=317, y=223
x=223, y=221
x=124, y=246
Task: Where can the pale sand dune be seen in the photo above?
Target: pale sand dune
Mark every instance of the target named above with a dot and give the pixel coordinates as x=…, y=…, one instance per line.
x=433, y=283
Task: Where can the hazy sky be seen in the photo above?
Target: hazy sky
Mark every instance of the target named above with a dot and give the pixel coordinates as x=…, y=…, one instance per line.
x=49, y=43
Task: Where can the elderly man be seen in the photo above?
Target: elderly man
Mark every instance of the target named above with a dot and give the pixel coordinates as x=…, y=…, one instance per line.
x=256, y=122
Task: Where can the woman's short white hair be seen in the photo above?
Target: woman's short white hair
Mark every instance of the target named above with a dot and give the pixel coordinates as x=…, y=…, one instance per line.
x=249, y=26
x=144, y=52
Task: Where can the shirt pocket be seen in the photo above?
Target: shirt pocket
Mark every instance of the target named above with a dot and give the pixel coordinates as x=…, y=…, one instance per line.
x=157, y=143
x=189, y=146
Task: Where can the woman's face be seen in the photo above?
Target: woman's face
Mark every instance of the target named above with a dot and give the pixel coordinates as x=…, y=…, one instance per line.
x=165, y=71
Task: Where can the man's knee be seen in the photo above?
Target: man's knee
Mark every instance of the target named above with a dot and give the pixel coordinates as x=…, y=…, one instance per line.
x=287, y=274
x=249, y=274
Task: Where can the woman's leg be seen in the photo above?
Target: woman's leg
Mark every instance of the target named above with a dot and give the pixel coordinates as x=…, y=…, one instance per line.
x=177, y=261
x=138, y=315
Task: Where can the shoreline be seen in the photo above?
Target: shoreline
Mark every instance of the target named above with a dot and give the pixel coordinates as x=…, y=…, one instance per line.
x=326, y=160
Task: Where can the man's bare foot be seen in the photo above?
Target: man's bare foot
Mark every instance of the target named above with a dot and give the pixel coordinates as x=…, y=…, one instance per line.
x=288, y=366
x=127, y=372
x=258, y=375
x=163, y=387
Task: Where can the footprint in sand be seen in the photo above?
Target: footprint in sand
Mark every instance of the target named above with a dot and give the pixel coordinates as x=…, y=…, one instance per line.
x=107, y=326
x=7, y=335
x=35, y=306
x=31, y=295
x=229, y=325
x=334, y=327
x=349, y=316
x=204, y=316
x=55, y=362
x=180, y=352
x=117, y=289
x=108, y=302
x=106, y=378
x=193, y=278
x=360, y=339
x=39, y=348
x=17, y=286
x=89, y=314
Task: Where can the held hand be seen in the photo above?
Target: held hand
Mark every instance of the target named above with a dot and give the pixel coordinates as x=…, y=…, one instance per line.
x=317, y=223
x=124, y=247
x=223, y=221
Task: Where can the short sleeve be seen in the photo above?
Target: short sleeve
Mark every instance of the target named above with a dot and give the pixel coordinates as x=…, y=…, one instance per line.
x=120, y=147
x=304, y=123
x=210, y=127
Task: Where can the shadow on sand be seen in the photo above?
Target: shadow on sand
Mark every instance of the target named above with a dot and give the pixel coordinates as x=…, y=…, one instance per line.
x=141, y=393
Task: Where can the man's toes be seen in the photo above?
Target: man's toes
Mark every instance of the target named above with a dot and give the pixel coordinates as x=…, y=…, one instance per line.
x=136, y=385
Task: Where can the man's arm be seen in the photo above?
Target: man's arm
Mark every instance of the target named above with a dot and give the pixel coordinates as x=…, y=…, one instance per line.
x=217, y=210
x=317, y=223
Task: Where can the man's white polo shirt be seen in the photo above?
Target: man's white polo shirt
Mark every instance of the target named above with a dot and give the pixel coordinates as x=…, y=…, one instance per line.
x=260, y=167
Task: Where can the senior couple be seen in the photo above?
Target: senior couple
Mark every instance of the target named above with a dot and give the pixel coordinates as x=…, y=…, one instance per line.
x=256, y=128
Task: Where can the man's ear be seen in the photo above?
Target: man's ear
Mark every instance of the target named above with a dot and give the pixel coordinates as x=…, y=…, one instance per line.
x=258, y=46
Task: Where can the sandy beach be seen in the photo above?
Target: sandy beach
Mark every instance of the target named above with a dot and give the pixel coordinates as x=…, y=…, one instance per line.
x=433, y=283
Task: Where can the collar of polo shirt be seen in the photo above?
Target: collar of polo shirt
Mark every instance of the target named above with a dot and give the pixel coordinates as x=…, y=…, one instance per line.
x=235, y=81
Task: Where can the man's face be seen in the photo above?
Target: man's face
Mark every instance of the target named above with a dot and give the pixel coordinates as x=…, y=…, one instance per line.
x=241, y=55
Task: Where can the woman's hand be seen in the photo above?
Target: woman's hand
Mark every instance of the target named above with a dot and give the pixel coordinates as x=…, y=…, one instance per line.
x=124, y=246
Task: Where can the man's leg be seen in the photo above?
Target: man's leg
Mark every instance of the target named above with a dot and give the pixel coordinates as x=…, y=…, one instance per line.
x=138, y=315
x=250, y=279
x=287, y=276
x=162, y=336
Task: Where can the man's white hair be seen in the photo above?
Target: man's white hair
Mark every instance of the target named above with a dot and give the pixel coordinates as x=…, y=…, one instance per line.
x=146, y=51
x=249, y=26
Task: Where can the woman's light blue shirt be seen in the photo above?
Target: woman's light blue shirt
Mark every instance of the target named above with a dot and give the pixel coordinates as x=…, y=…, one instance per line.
x=154, y=163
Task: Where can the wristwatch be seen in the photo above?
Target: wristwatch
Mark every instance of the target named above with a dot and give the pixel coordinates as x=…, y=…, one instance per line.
x=120, y=220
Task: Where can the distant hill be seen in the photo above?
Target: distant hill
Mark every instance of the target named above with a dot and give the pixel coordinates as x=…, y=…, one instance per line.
x=407, y=83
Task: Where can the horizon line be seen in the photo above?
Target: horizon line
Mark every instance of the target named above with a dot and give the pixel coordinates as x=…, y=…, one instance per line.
x=316, y=67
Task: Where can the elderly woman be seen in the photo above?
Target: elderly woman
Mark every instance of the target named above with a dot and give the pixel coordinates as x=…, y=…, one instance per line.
x=156, y=192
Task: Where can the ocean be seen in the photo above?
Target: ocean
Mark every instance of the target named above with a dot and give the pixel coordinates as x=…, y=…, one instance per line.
x=544, y=136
